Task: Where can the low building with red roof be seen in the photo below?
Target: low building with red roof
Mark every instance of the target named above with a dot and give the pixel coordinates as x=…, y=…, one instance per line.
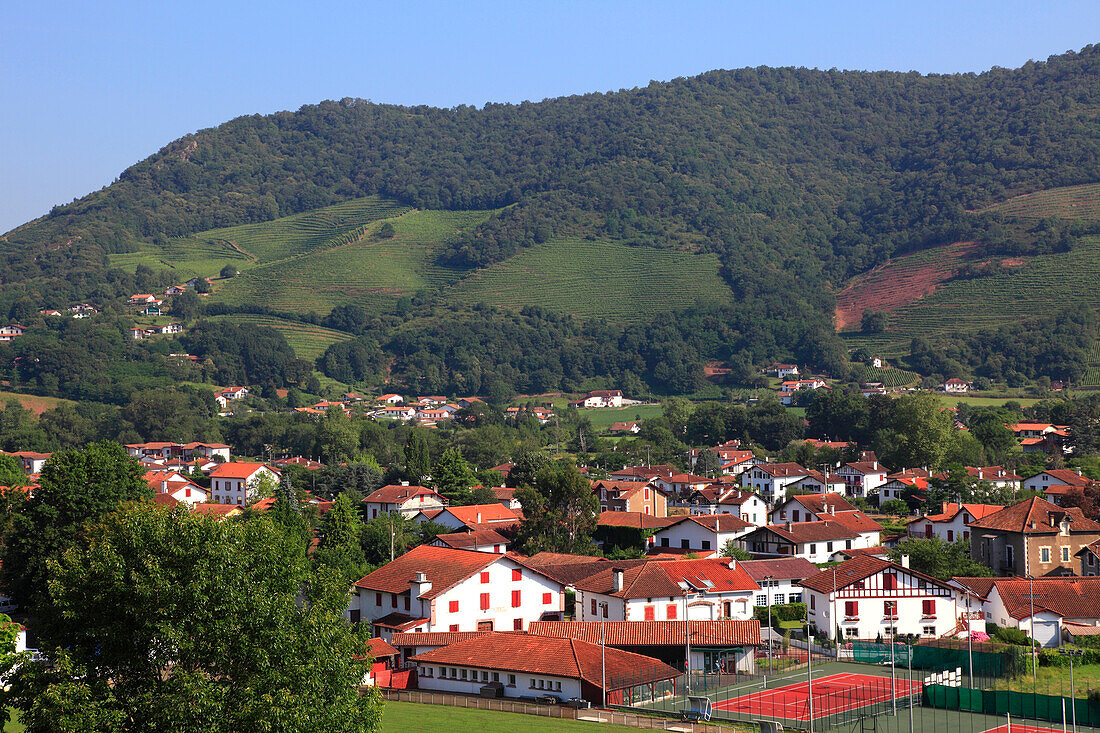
x=703, y=534
x=868, y=598
x=722, y=498
x=809, y=507
x=235, y=482
x=176, y=485
x=483, y=540
x=220, y=511
x=953, y=522
x=444, y=589
x=1033, y=537
x=816, y=541
x=779, y=579
x=863, y=477
x=1038, y=607
x=402, y=498
x=632, y=496
x=474, y=516
x=656, y=591
x=525, y=665
x=770, y=480
x=1056, y=477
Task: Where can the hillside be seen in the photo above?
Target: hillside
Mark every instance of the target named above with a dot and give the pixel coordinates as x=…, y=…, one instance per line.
x=751, y=195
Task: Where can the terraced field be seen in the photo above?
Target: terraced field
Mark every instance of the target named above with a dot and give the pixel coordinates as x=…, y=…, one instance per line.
x=1067, y=279
x=307, y=340
x=369, y=272
x=1092, y=367
x=597, y=279
x=1071, y=202
x=888, y=377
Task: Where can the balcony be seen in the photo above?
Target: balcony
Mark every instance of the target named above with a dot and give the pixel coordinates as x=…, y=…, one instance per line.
x=890, y=617
x=851, y=618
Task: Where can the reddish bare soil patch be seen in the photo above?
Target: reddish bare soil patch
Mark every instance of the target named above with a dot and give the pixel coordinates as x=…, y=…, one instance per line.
x=1011, y=262
x=896, y=283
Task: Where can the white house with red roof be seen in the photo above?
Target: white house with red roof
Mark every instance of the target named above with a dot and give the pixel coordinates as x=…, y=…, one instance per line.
x=391, y=399
x=816, y=541
x=235, y=483
x=600, y=398
x=669, y=590
x=862, y=477
x=401, y=498
x=956, y=386
x=446, y=589
x=770, y=480
x=1056, y=477
x=818, y=483
x=178, y=486
x=703, y=534
x=779, y=579
x=953, y=522
x=482, y=540
x=726, y=499
x=680, y=484
x=1042, y=608
x=476, y=516
x=142, y=299
x=11, y=332
x=33, y=461
x=869, y=598
x=396, y=412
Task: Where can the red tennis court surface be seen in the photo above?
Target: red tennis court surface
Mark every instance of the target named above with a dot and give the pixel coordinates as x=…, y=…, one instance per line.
x=1022, y=729
x=834, y=694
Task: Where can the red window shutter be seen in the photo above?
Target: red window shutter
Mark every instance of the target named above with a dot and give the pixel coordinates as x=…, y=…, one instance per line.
x=546, y=599
x=393, y=601
x=670, y=612
x=650, y=613
x=929, y=607
x=485, y=576
x=605, y=610
x=593, y=606
x=813, y=601
x=517, y=624
x=406, y=598
x=517, y=574
x=851, y=608
x=515, y=599
x=378, y=599
x=890, y=581
x=484, y=601
x=453, y=606
x=454, y=627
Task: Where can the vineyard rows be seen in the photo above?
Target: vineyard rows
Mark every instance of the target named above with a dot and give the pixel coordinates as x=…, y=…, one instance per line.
x=888, y=377
x=307, y=340
x=1071, y=202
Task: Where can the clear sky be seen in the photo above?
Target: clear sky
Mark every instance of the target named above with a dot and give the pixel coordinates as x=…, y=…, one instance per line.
x=89, y=88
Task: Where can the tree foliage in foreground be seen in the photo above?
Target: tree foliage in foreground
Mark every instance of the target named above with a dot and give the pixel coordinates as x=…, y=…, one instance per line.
x=560, y=512
x=940, y=559
x=178, y=622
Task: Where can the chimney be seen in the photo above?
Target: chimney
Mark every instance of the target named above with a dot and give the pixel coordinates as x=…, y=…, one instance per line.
x=419, y=585
x=832, y=510
x=788, y=526
x=404, y=483
x=905, y=561
x=874, y=465
x=616, y=580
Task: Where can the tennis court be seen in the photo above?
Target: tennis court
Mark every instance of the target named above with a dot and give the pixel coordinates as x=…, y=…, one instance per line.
x=1022, y=729
x=832, y=695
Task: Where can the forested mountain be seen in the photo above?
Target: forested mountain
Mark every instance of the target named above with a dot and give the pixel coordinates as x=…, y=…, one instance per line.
x=796, y=179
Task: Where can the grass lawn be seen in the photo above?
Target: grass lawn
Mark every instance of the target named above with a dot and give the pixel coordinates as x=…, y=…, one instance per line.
x=407, y=717
x=603, y=417
x=950, y=400
x=1055, y=680
x=13, y=725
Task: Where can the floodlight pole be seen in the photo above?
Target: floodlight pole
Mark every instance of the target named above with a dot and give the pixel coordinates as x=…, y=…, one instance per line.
x=768, y=594
x=687, y=643
x=603, y=653
x=893, y=678
x=909, y=653
x=969, y=638
x=1031, y=622
x=809, y=673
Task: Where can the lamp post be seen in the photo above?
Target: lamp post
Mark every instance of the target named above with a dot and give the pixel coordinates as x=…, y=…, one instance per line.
x=1031, y=623
x=969, y=638
x=809, y=673
x=1071, y=653
x=687, y=645
x=768, y=595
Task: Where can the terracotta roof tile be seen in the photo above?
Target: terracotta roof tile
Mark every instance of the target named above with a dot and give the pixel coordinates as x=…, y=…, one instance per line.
x=818, y=531
x=444, y=566
x=639, y=520
x=819, y=503
x=482, y=513
x=855, y=570
x=654, y=579
x=652, y=633
x=464, y=540
x=396, y=494
x=239, y=470
x=432, y=638
x=1036, y=516
x=784, y=568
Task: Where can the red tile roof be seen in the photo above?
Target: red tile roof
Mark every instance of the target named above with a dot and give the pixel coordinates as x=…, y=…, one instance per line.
x=952, y=510
x=820, y=503
x=653, y=633
x=654, y=579
x=165, y=499
x=444, y=566
x=464, y=540
x=638, y=520
x=781, y=469
x=783, y=568
x=544, y=655
x=1068, y=477
x=715, y=522
x=234, y=469
x=866, y=467
x=482, y=513
x=1036, y=516
x=991, y=473
x=400, y=621
x=1067, y=597
x=857, y=569
x=856, y=521
x=377, y=648
x=819, y=531
x=397, y=494
x=432, y=638
x=217, y=510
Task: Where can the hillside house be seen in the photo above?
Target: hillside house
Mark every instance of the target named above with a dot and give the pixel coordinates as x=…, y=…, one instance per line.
x=1054, y=483
x=11, y=332
x=816, y=541
x=770, y=480
x=782, y=371
x=632, y=496
x=483, y=540
x=956, y=386
x=401, y=498
x=1034, y=537
x=703, y=534
x=869, y=598
x=396, y=412
x=809, y=507
x=952, y=524
x=600, y=398
x=817, y=483
x=725, y=499
x=779, y=579
x=444, y=589
x=1034, y=429
x=624, y=427
x=862, y=477
x=703, y=590
x=141, y=299
x=235, y=483
x=33, y=461
x=178, y=486
x=477, y=516
x=680, y=484
x=643, y=473
x=1044, y=608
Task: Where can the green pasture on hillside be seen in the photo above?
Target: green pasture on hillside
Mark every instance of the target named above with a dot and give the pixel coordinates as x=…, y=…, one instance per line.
x=307, y=340
x=1070, y=202
x=597, y=279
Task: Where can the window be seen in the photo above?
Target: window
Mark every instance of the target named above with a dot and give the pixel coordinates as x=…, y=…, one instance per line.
x=484, y=601
x=546, y=599
x=452, y=607
x=517, y=574
x=778, y=599
x=851, y=609
x=515, y=599
x=664, y=542
x=647, y=493
x=511, y=680
x=950, y=535
x=829, y=546
x=1044, y=554
x=453, y=627
x=378, y=599
x=813, y=601
x=813, y=548
x=847, y=544
x=890, y=609
x=1091, y=559
x=851, y=631
x=462, y=673
x=605, y=610
x=1065, y=554
x=706, y=544
x=517, y=624
x=354, y=616
x=762, y=599
x=890, y=581
x=406, y=600
x=928, y=608
x=795, y=598
x=650, y=613
x=496, y=676
x=794, y=516
x=393, y=601
x=929, y=630
x=484, y=625
x=485, y=576
x=670, y=612
x=1008, y=555
x=685, y=545
x=593, y=606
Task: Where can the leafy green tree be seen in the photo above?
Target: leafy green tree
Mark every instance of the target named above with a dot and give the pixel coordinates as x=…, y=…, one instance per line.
x=707, y=463
x=942, y=560
x=386, y=231
x=526, y=467
x=336, y=437
x=340, y=535
x=176, y=415
x=560, y=512
x=873, y=321
x=895, y=507
x=11, y=471
x=228, y=271
x=453, y=477
x=417, y=462
x=920, y=433
x=483, y=495
x=75, y=487
x=388, y=536
x=734, y=550
x=178, y=622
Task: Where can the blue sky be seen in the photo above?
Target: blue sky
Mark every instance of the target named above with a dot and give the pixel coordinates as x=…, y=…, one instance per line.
x=90, y=88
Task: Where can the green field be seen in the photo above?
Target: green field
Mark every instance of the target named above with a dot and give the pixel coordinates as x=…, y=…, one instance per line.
x=888, y=377
x=1070, y=202
x=598, y=279
x=1040, y=286
x=407, y=717
x=307, y=340
x=951, y=400
x=603, y=417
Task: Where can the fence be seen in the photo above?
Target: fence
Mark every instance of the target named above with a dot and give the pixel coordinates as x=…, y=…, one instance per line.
x=1020, y=704
x=615, y=717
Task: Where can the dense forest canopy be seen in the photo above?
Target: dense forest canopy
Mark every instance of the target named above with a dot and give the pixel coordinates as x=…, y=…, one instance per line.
x=796, y=179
